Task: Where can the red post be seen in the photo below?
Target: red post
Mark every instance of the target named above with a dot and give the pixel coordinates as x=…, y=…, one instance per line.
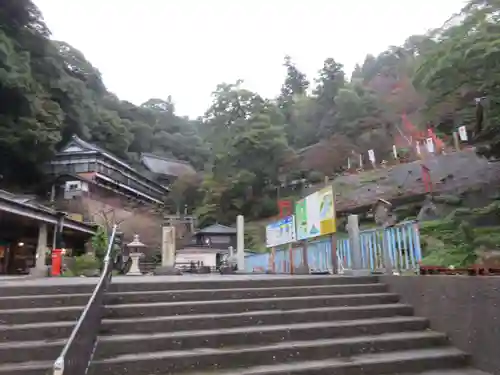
x=284, y=207
x=426, y=179
x=56, y=262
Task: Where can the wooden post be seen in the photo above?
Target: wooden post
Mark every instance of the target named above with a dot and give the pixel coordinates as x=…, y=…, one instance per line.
x=333, y=237
x=240, y=242
x=456, y=141
x=305, y=260
x=273, y=259
x=335, y=259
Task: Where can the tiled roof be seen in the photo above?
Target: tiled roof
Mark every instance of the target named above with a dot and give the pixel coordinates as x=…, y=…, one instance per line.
x=164, y=166
x=77, y=145
x=217, y=229
x=91, y=147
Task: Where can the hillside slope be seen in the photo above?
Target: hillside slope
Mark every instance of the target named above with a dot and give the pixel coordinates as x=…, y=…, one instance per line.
x=455, y=172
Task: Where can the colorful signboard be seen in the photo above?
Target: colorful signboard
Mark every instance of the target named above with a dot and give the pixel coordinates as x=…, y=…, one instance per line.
x=315, y=214
x=281, y=232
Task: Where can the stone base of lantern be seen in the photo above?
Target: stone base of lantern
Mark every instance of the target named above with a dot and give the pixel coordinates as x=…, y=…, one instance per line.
x=134, y=267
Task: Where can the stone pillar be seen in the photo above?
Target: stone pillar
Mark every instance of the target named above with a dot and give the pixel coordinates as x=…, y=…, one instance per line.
x=40, y=269
x=167, y=253
x=240, y=242
x=355, y=246
x=41, y=247
x=168, y=247
x=387, y=253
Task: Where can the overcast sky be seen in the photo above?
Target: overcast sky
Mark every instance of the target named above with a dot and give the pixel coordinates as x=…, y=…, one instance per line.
x=184, y=48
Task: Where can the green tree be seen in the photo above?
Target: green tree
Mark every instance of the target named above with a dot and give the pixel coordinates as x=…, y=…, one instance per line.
x=461, y=66
x=331, y=79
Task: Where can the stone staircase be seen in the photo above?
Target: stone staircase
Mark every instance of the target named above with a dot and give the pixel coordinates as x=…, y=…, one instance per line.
x=36, y=321
x=272, y=326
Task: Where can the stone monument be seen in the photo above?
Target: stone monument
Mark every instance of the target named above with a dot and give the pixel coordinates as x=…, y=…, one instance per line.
x=167, y=253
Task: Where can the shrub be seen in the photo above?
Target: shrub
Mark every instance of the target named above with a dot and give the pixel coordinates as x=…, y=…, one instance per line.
x=316, y=177
x=85, y=265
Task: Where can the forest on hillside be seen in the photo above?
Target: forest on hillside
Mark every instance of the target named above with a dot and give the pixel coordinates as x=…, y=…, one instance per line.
x=245, y=145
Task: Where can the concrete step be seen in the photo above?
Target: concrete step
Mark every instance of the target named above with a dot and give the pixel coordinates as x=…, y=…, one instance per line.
x=110, y=346
x=36, y=331
x=27, y=368
x=462, y=371
x=40, y=315
x=36, y=320
x=121, y=285
x=153, y=324
x=435, y=361
x=422, y=362
x=20, y=351
x=41, y=301
x=47, y=287
x=242, y=305
x=246, y=356
x=241, y=293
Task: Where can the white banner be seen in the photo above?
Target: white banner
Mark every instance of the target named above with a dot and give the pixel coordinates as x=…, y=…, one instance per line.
x=371, y=156
x=430, y=144
x=281, y=232
x=462, y=132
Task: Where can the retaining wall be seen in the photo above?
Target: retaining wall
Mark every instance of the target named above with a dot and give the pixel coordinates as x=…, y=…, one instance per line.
x=466, y=308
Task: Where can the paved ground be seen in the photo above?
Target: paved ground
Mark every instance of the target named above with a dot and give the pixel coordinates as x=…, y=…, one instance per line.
x=28, y=281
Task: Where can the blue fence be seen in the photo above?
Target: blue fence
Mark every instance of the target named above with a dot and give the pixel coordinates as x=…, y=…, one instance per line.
x=402, y=240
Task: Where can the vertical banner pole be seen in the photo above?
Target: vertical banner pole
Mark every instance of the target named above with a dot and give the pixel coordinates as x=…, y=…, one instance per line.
x=333, y=237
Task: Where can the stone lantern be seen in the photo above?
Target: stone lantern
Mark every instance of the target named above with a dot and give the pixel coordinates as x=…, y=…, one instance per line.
x=135, y=254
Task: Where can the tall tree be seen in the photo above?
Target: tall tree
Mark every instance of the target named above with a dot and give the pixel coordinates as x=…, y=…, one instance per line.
x=292, y=101
x=331, y=79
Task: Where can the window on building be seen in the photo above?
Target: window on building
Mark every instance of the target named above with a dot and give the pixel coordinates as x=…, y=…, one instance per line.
x=81, y=168
x=220, y=239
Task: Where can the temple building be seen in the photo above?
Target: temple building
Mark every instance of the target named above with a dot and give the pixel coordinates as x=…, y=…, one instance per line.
x=207, y=247
x=27, y=233
x=165, y=170
x=90, y=184
x=82, y=168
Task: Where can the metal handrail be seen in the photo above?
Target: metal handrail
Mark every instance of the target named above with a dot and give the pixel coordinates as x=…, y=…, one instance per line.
x=77, y=354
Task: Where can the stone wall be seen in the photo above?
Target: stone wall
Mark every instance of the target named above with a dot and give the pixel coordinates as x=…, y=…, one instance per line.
x=105, y=208
x=132, y=220
x=466, y=308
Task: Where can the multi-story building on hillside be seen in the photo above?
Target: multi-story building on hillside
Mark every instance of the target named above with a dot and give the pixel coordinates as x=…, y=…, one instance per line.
x=84, y=168
x=91, y=184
